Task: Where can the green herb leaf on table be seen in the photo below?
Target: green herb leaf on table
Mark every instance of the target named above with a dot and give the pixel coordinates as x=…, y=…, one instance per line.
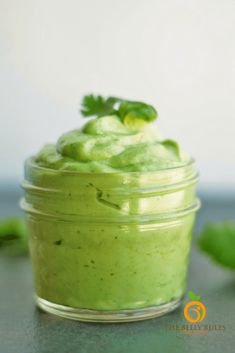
x=218, y=242
x=13, y=236
x=126, y=110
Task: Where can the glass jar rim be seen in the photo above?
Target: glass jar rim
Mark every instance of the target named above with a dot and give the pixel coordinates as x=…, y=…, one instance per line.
x=31, y=162
x=44, y=183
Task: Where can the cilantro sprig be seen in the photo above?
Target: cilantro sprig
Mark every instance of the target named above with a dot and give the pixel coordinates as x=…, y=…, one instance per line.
x=218, y=242
x=126, y=110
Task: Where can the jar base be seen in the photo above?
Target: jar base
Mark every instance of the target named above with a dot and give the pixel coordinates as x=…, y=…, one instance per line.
x=109, y=316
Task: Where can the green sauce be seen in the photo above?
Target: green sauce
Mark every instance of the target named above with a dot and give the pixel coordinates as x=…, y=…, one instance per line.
x=101, y=258
x=107, y=145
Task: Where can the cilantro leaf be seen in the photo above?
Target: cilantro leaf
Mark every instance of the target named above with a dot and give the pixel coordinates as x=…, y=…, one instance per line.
x=136, y=110
x=218, y=242
x=13, y=236
x=128, y=111
x=97, y=105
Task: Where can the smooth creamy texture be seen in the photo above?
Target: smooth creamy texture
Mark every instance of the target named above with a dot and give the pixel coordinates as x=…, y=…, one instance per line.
x=106, y=266
x=87, y=251
x=107, y=145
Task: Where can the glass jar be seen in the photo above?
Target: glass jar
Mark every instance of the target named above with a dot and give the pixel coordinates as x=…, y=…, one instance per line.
x=109, y=247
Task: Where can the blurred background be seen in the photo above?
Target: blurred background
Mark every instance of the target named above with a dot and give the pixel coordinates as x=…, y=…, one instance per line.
x=178, y=55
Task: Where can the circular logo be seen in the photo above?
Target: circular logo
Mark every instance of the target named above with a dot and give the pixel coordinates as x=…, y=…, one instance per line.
x=194, y=311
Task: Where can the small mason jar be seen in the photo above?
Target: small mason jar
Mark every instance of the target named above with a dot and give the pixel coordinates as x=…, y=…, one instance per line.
x=109, y=247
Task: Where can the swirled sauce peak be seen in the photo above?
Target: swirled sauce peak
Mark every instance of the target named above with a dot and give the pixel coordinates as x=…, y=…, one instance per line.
x=106, y=144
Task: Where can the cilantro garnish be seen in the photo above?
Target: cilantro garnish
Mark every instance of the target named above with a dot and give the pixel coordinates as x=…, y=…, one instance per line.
x=218, y=242
x=126, y=110
x=98, y=106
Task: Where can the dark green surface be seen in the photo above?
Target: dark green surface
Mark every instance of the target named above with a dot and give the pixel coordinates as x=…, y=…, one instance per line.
x=25, y=329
